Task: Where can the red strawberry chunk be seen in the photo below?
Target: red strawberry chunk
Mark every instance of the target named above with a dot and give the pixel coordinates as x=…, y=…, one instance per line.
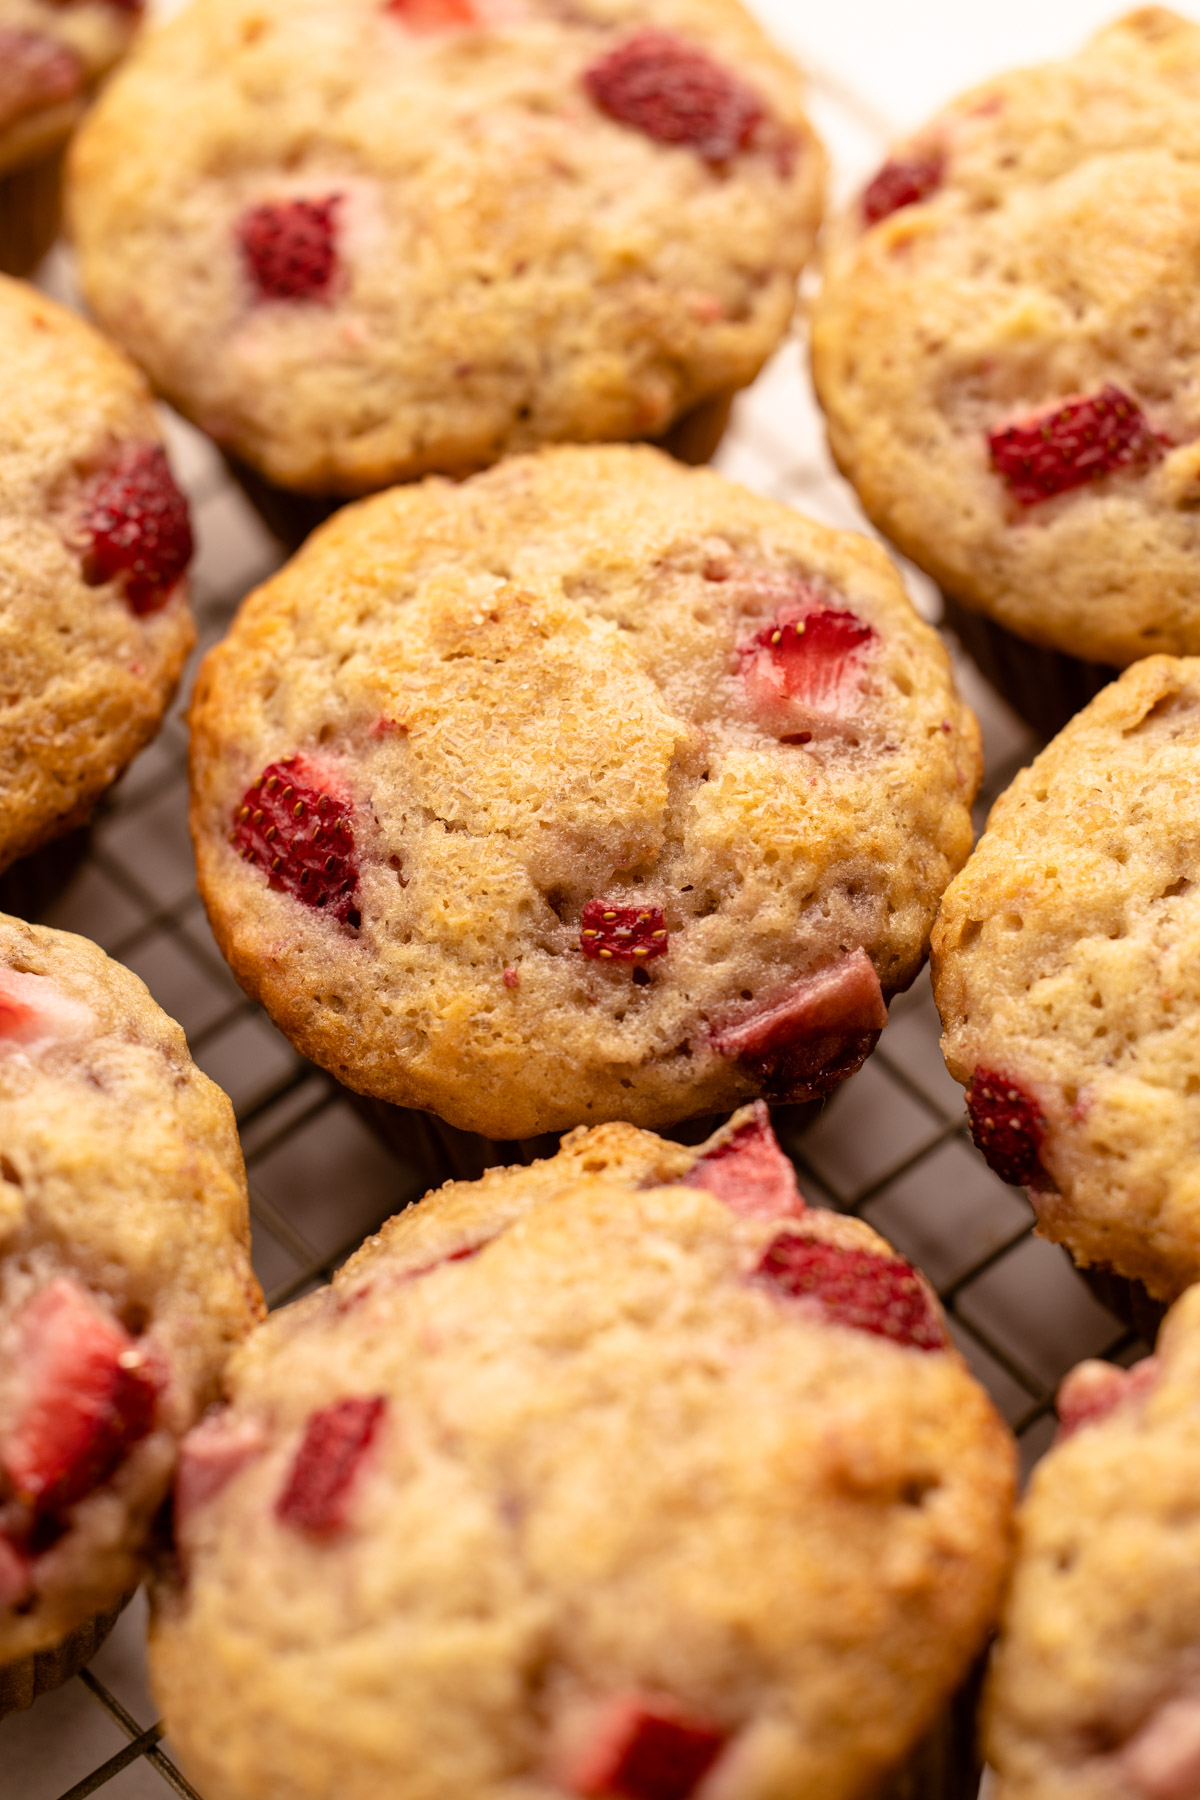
x=35, y=1013
x=35, y=71
x=336, y=1439
x=88, y=1393
x=803, y=671
x=211, y=1455
x=1095, y=1389
x=675, y=93
x=749, y=1172
x=821, y=1031
x=297, y=826
x=1008, y=1126
x=902, y=181
x=644, y=1749
x=1162, y=1762
x=879, y=1294
x=433, y=15
x=289, y=248
x=1072, y=444
x=627, y=933
x=355, y=1296
x=16, y=1574
x=20, y=1016
x=137, y=527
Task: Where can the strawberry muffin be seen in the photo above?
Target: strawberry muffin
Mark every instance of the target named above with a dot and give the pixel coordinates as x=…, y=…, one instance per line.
x=94, y=546
x=1095, y=1690
x=359, y=241
x=52, y=53
x=1007, y=346
x=592, y=788
x=1066, y=959
x=621, y=1475
x=124, y=1281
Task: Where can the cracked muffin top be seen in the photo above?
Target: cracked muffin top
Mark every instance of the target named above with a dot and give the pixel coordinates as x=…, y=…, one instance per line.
x=359, y=242
x=592, y=788
x=1065, y=970
x=624, y=1474
x=1095, y=1689
x=124, y=1275
x=94, y=544
x=51, y=54
x=1007, y=347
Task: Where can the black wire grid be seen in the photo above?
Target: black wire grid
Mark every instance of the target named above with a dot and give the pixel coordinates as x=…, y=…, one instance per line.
x=891, y=1146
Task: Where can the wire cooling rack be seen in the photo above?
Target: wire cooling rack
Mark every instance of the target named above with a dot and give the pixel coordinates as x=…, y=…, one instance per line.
x=891, y=1146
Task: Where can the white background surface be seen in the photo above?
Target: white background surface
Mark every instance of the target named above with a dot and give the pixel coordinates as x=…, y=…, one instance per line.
x=904, y=58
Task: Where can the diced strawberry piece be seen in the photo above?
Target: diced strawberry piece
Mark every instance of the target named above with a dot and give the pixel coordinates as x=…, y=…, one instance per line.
x=35, y=71
x=1163, y=1761
x=675, y=93
x=16, y=1574
x=35, y=1013
x=820, y=1032
x=289, y=248
x=749, y=1172
x=354, y=1296
x=137, y=527
x=336, y=1439
x=87, y=1394
x=433, y=15
x=880, y=1294
x=627, y=933
x=1095, y=1389
x=463, y=1255
x=1072, y=444
x=20, y=1022
x=299, y=828
x=803, y=672
x=902, y=181
x=211, y=1455
x=1008, y=1126
x=642, y=1748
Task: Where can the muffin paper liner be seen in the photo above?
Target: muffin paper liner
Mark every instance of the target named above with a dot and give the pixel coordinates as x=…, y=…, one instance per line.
x=696, y=437
x=1137, y=1309
x=287, y=516
x=693, y=439
x=1045, y=687
x=946, y=1765
x=22, y=1682
x=35, y=882
x=443, y=1153
x=30, y=207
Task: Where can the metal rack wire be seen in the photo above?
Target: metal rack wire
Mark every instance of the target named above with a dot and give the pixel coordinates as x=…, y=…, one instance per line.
x=891, y=1146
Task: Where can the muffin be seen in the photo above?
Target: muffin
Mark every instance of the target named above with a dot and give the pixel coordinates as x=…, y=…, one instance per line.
x=1065, y=961
x=1094, y=1692
x=1007, y=349
x=624, y=1474
x=51, y=56
x=360, y=242
x=94, y=545
x=124, y=1281
x=592, y=788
